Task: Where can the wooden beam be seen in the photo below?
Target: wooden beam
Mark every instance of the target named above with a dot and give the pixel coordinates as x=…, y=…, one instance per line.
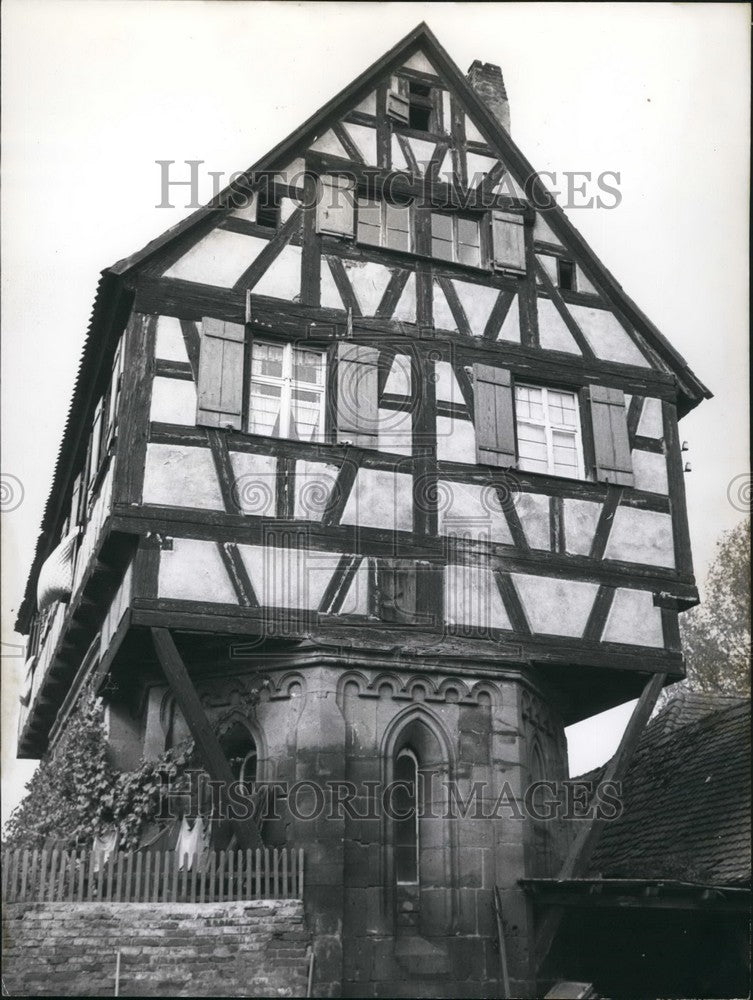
x=583, y=847
x=209, y=747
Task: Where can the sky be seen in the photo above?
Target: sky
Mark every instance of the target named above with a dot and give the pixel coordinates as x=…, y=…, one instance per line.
x=95, y=92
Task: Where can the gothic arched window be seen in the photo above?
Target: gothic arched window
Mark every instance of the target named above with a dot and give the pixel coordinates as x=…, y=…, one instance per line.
x=405, y=800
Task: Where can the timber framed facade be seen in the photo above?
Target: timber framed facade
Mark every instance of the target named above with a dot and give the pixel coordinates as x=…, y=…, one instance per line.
x=373, y=459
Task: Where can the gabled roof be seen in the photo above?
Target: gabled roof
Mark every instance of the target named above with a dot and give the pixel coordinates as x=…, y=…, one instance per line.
x=686, y=796
x=112, y=291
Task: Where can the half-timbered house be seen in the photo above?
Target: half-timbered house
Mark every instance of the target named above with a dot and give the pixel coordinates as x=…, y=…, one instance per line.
x=372, y=470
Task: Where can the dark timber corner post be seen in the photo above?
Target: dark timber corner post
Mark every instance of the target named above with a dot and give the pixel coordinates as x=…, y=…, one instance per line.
x=190, y=705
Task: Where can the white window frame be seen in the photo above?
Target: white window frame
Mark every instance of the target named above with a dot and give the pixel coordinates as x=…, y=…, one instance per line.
x=455, y=242
x=550, y=428
x=287, y=384
x=383, y=230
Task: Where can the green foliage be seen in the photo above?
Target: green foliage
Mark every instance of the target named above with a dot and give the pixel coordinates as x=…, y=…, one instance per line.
x=75, y=793
x=716, y=634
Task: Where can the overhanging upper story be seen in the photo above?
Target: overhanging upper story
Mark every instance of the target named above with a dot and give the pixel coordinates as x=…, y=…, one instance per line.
x=381, y=382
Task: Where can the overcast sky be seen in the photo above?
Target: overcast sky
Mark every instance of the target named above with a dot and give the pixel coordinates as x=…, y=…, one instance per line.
x=95, y=91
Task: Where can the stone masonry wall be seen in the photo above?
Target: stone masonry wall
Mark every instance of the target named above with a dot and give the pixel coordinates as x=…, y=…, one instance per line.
x=243, y=949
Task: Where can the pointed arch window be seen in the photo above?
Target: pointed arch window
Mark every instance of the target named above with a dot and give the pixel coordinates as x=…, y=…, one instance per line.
x=407, y=846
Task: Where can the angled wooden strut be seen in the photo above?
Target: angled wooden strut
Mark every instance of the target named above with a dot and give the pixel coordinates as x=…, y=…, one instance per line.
x=246, y=830
x=583, y=847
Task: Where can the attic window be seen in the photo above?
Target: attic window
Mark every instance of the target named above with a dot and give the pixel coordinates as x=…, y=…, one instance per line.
x=420, y=106
x=268, y=210
x=566, y=275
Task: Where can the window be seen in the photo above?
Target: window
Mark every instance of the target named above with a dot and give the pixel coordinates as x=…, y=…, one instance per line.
x=456, y=237
x=420, y=106
x=286, y=397
x=382, y=223
x=268, y=208
x=566, y=274
x=548, y=426
x=406, y=822
x=413, y=103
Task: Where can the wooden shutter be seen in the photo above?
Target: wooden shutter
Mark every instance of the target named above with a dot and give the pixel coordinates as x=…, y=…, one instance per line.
x=398, y=107
x=334, y=206
x=357, y=416
x=508, y=241
x=95, y=444
x=494, y=416
x=611, y=443
x=220, y=389
x=114, y=395
x=76, y=512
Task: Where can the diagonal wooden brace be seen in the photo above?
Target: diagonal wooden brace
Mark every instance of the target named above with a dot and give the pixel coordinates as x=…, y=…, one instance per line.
x=583, y=847
x=217, y=764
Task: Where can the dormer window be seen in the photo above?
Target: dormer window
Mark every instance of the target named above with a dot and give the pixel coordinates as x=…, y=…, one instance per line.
x=384, y=224
x=456, y=237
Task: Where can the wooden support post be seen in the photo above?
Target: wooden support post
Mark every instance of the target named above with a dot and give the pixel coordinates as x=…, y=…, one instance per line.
x=209, y=747
x=583, y=847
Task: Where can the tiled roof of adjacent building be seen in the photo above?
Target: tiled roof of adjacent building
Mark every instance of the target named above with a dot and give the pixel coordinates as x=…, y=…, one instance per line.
x=687, y=797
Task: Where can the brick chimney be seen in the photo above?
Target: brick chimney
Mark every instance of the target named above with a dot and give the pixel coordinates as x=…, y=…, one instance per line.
x=486, y=80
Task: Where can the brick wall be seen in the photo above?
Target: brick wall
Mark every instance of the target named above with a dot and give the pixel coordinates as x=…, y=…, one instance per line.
x=251, y=948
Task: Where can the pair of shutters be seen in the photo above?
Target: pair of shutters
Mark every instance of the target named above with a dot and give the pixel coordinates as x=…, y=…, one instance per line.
x=221, y=386
x=494, y=412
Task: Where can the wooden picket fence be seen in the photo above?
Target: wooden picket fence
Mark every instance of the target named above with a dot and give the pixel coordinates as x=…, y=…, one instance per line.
x=151, y=876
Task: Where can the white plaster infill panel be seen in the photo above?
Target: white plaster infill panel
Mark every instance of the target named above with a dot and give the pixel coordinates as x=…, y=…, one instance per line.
x=581, y=519
x=399, y=379
x=447, y=386
x=365, y=140
x=314, y=483
x=173, y=401
x=395, y=431
x=193, y=570
x=633, y=619
x=289, y=577
x=651, y=424
x=471, y=597
x=282, y=279
x=553, y=332
x=534, y=510
x=456, y=440
x=471, y=511
x=553, y=606
x=380, y=499
x=641, y=536
x=255, y=483
x=405, y=310
x=650, y=472
x=606, y=336
x=477, y=302
x=181, y=476
x=511, y=326
x=220, y=258
x=369, y=282
x=169, y=344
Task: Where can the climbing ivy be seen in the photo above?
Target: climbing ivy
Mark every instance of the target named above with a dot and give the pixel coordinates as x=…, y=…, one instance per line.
x=75, y=793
